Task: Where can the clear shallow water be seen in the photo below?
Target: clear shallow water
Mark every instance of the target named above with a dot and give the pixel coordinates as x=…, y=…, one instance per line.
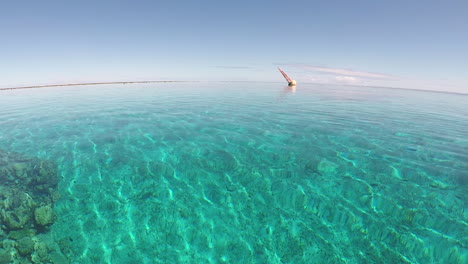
x=249, y=173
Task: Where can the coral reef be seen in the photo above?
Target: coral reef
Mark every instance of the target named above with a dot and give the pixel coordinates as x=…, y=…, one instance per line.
x=27, y=195
x=44, y=215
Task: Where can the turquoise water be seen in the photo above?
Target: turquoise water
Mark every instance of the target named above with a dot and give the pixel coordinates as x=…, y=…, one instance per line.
x=248, y=173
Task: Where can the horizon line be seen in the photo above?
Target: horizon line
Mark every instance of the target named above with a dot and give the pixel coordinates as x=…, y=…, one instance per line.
x=83, y=84
x=173, y=81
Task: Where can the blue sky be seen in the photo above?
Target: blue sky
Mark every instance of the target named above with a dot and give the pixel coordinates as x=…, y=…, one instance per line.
x=412, y=44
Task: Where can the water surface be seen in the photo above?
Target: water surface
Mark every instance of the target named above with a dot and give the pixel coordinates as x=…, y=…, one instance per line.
x=249, y=173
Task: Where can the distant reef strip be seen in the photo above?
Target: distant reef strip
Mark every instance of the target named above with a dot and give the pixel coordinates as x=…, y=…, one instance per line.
x=82, y=84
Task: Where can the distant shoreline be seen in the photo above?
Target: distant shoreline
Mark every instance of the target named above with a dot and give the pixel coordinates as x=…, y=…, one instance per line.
x=131, y=82
x=82, y=84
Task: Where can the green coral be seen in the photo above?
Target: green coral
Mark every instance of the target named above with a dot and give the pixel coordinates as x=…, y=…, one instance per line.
x=18, y=234
x=40, y=252
x=25, y=246
x=16, y=219
x=16, y=210
x=45, y=176
x=25, y=173
x=44, y=215
x=5, y=256
x=27, y=193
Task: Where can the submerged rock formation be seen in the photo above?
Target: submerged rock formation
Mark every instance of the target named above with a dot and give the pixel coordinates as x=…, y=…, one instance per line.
x=27, y=195
x=36, y=177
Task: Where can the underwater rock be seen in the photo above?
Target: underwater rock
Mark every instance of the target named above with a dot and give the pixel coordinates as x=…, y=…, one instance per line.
x=50, y=250
x=65, y=245
x=5, y=256
x=25, y=246
x=9, y=244
x=19, y=234
x=326, y=167
x=44, y=215
x=219, y=161
x=40, y=252
x=16, y=219
x=58, y=258
x=14, y=199
x=37, y=177
x=23, y=261
x=16, y=209
x=46, y=176
x=20, y=170
x=311, y=166
x=27, y=195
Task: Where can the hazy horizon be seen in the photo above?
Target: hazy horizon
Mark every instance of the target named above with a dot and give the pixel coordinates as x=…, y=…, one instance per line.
x=400, y=44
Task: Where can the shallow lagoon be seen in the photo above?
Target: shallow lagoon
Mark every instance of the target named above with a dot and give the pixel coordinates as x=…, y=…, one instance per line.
x=241, y=173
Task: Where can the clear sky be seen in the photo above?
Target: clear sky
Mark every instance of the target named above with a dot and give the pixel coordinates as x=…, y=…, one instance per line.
x=413, y=44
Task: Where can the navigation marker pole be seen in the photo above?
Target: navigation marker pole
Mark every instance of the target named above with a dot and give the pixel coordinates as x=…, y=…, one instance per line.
x=289, y=80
